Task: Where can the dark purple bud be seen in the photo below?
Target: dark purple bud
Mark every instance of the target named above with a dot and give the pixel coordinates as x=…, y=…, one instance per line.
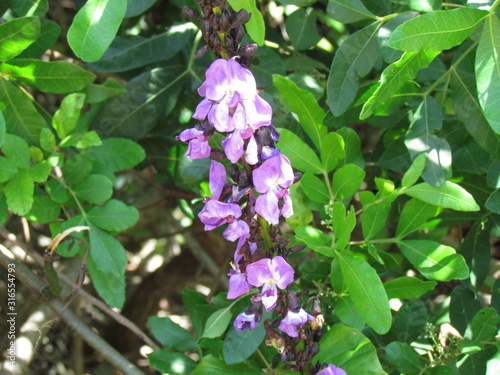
x=224, y=21
x=248, y=50
x=244, y=178
x=191, y=13
x=215, y=42
x=228, y=40
x=297, y=248
x=294, y=302
x=201, y=52
x=234, y=172
x=206, y=29
x=238, y=34
x=296, y=177
x=241, y=18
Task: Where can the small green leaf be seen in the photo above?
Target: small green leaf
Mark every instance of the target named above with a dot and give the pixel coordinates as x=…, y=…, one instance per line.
x=332, y=151
x=7, y=169
x=240, y=345
x=198, y=309
x=95, y=189
x=348, y=11
x=210, y=365
x=47, y=140
x=77, y=168
x=485, y=324
x=16, y=150
x=44, y=210
x=436, y=31
x=300, y=154
x=66, y=117
x=348, y=314
x=314, y=188
x=315, y=239
x=17, y=35
x=217, y=323
x=94, y=27
x=110, y=287
x=463, y=307
x=113, y=216
x=49, y=33
x=367, y=292
x=413, y=173
x=347, y=180
x=82, y=140
x=255, y=27
x=56, y=190
x=99, y=93
x=375, y=214
x=424, y=5
x=171, y=334
x=302, y=30
x=171, y=362
x=449, y=195
x=406, y=287
x=19, y=192
x=117, y=154
x=58, y=77
x=433, y=260
x=107, y=252
x=404, y=357
x=414, y=215
x=343, y=224
x=476, y=249
x=305, y=106
x=40, y=171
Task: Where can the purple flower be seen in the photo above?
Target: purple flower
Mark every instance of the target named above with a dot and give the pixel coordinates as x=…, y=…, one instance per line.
x=217, y=213
x=270, y=273
x=235, y=230
x=198, y=147
x=332, y=370
x=245, y=321
x=238, y=284
x=292, y=320
x=272, y=179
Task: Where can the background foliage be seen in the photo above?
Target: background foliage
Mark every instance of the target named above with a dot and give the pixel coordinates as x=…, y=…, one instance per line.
x=390, y=110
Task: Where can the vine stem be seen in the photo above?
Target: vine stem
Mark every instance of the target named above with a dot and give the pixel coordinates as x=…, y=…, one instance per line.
x=34, y=283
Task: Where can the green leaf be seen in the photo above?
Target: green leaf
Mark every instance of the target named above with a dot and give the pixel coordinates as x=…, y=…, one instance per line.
x=436, y=31
x=424, y=5
x=99, y=93
x=347, y=180
x=49, y=34
x=343, y=224
x=348, y=11
x=332, y=151
x=406, y=287
x=21, y=117
x=117, y=154
x=350, y=350
x=217, y=323
x=95, y=189
x=137, y=7
x=315, y=239
x=114, y=216
x=19, y=192
x=7, y=169
x=375, y=215
x=110, y=287
x=66, y=117
x=303, y=104
x=240, y=345
x=367, y=292
x=26, y=8
x=58, y=77
x=150, y=97
x=47, y=140
x=314, y=188
x=433, y=260
x=300, y=154
x=301, y=28
x=136, y=51
x=348, y=314
x=414, y=172
x=414, y=215
x=40, y=171
x=16, y=150
x=198, y=309
x=56, y=190
x=469, y=110
x=410, y=321
x=354, y=59
x=269, y=63
x=449, y=195
x=77, y=169
x=210, y=365
x=82, y=140
x=485, y=324
x=44, y=210
x=404, y=357
x=17, y=35
x=170, y=334
x=255, y=27
x=171, y=362
x=2, y=128
x=493, y=202
x=94, y=27
x=352, y=147
x=394, y=77
x=477, y=254
x=107, y=252
x=463, y=307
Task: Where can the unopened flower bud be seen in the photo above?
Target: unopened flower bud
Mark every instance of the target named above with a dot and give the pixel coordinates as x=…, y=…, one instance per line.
x=206, y=30
x=191, y=13
x=215, y=42
x=248, y=50
x=238, y=34
x=228, y=40
x=241, y=18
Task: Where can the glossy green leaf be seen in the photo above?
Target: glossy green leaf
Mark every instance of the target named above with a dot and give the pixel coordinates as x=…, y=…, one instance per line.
x=117, y=154
x=449, y=195
x=463, y=307
x=19, y=192
x=404, y=357
x=314, y=188
x=255, y=27
x=240, y=345
x=99, y=93
x=110, y=287
x=315, y=239
x=332, y=151
x=17, y=35
x=406, y=287
x=375, y=215
x=300, y=154
x=347, y=180
x=348, y=11
x=354, y=59
x=487, y=67
x=414, y=215
x=433, y=260
x=390, y=54
x=66, y=117
x=352, y=147
x=343, y=224
x=485, y=324
x=436, y=31
x=135, y=51
x=149, y=98
x=302, y=215
x=113, y=216
x=350, y=350
x=49, y=33
x=366, y=291
x=27, y=8
x=468, y=109
x=59, y=77
x=424, y=5
x=217, y=323
x=303, y=104
x=394, y=77
x=137, y=7
x=21, y=117
x=16, y=150
x=7, y=169
x=107, y=252
x=47, y=140
x=96, y=188
x=348, y=313
x=301, y=28
x=210, y=365
x=82, y=141
x=476, y=250
x=171, y=362
x=170, y=334
x=94, y=27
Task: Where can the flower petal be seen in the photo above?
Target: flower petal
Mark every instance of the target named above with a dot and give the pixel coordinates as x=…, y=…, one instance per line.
x=266, y=206
x=259, y=272
x=217, y=178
